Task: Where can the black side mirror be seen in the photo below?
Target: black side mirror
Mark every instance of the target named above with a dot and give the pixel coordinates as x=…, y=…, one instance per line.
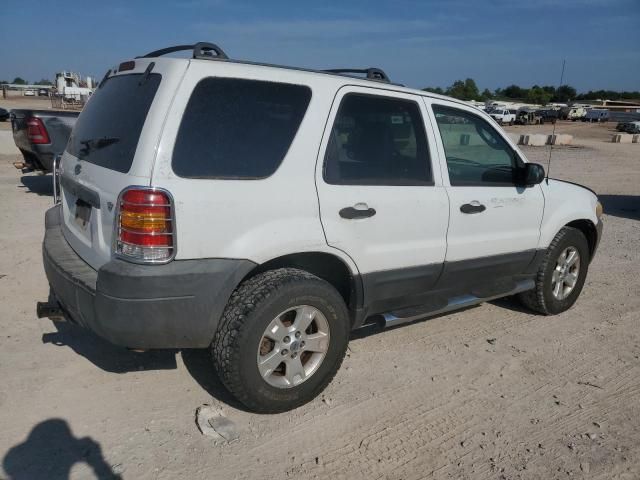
x=532, y=174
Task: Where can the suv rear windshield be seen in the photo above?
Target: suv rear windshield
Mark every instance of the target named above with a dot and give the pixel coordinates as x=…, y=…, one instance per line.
x=234, y=128
x=108, y=129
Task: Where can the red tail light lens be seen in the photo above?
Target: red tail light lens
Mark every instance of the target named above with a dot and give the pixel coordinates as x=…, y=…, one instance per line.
x=124, y=66
x=145, y=226
x=36, y=131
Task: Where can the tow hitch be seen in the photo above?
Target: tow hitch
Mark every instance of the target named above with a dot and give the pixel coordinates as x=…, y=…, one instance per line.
x=50, y=310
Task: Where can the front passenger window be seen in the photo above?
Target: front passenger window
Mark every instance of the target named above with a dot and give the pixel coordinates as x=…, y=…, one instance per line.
x=476, y=153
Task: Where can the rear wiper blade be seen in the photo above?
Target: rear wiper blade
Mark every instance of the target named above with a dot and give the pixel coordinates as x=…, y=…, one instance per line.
x=146, y=73
x=97, y=143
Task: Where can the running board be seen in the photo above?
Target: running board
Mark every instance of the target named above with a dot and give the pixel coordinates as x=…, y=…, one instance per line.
x=455, y=303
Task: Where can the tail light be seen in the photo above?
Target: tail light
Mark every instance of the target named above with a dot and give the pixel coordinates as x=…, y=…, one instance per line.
x=36, y=131
x=145, y=225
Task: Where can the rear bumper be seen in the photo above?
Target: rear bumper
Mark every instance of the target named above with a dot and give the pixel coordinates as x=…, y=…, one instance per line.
x=45, y=156
x=177, y=305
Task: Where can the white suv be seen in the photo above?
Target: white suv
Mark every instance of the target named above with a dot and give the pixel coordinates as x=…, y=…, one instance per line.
x=503, y=116
x=265, y=212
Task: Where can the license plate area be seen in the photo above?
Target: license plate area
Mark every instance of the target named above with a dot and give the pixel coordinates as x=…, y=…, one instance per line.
x=82, y=215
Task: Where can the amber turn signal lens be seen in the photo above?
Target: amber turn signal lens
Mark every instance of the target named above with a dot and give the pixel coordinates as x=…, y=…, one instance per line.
x=147, y=221
x=599, y=210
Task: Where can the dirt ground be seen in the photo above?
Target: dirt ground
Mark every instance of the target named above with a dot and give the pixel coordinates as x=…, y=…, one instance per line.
x=492, y=392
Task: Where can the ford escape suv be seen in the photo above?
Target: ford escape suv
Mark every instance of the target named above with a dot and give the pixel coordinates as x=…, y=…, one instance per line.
x=264, y=212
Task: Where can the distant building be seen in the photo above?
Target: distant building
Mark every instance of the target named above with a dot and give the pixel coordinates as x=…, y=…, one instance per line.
x=617, y=105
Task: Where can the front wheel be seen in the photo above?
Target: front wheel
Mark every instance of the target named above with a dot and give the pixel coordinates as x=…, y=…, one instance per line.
x=561, y=275
x=281, y=340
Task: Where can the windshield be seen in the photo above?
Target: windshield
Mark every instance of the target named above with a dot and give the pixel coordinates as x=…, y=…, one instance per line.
x=108, y=129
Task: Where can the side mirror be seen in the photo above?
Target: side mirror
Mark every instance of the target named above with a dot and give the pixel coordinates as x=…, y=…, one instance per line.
x=532, y=174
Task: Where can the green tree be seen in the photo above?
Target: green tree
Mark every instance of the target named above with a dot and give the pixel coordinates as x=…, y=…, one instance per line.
x=537, y=95
x=437, y=90
x=19, y=81
x=44, y=81
x=564, y=93
x=464, y=90
x=514, y=91
x=486, y=94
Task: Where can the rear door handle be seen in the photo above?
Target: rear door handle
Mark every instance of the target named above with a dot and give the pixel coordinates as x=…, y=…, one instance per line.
x=352, y=213
x=473, y=207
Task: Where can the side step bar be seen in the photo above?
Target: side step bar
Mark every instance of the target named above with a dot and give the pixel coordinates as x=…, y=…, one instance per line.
x=455, y=303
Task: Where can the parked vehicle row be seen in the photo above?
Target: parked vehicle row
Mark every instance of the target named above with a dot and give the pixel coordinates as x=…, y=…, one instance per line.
x=264, y=212
x=529, y=116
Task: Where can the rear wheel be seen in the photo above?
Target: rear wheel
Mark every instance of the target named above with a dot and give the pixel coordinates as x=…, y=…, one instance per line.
x=281, y=340
x=561, y=275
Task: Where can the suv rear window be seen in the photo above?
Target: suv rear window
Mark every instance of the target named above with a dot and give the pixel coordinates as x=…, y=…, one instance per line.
x=108, y=129
x=234, y=128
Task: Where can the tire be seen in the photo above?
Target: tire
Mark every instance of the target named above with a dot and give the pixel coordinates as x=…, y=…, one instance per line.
x=242, y=336
x=542, y=298
x=511, y=123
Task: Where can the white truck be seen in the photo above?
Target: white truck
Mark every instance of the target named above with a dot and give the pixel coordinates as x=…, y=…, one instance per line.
x=264, y=212
x=576, y=113
x=503, y=116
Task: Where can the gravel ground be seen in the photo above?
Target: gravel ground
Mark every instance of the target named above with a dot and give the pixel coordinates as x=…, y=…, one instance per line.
x=491, y=392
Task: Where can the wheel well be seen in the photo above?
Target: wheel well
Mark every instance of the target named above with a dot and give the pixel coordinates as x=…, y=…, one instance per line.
x=324, y=265
x=589, y=230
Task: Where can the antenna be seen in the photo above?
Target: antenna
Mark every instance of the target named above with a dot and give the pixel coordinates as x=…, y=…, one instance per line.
x=553, y=133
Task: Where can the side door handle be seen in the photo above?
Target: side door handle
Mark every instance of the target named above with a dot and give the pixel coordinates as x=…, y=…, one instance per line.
x=473, y=207
x=363, y=211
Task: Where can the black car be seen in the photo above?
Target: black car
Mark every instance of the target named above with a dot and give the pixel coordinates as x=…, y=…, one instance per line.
x=632, y=127
x=548, y=116
x=4, y=115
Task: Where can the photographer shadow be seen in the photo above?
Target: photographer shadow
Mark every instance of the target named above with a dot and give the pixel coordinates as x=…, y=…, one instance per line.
x=51, y=451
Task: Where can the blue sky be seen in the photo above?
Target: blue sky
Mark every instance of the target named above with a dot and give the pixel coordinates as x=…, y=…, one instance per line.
x=418, y=43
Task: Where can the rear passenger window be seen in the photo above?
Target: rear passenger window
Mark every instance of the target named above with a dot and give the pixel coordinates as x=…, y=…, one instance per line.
x=238, y=129
x=377, y=141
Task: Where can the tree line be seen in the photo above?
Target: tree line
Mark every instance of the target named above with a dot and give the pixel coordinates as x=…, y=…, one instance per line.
x=468, y=90
x=22, y=81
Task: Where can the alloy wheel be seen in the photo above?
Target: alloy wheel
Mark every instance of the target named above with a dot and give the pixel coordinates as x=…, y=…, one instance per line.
x=293, y=346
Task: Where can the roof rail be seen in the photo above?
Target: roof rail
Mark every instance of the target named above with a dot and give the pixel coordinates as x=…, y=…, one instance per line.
x=211, y=51
x=371, y=73
x=201, y=50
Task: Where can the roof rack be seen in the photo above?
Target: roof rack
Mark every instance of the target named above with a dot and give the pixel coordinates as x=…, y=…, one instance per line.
x=371, y=73
x=211, y=51
x=201, y=50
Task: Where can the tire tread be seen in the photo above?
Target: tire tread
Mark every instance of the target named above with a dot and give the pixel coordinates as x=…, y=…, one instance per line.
x=244, y=300
x=534, y=299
